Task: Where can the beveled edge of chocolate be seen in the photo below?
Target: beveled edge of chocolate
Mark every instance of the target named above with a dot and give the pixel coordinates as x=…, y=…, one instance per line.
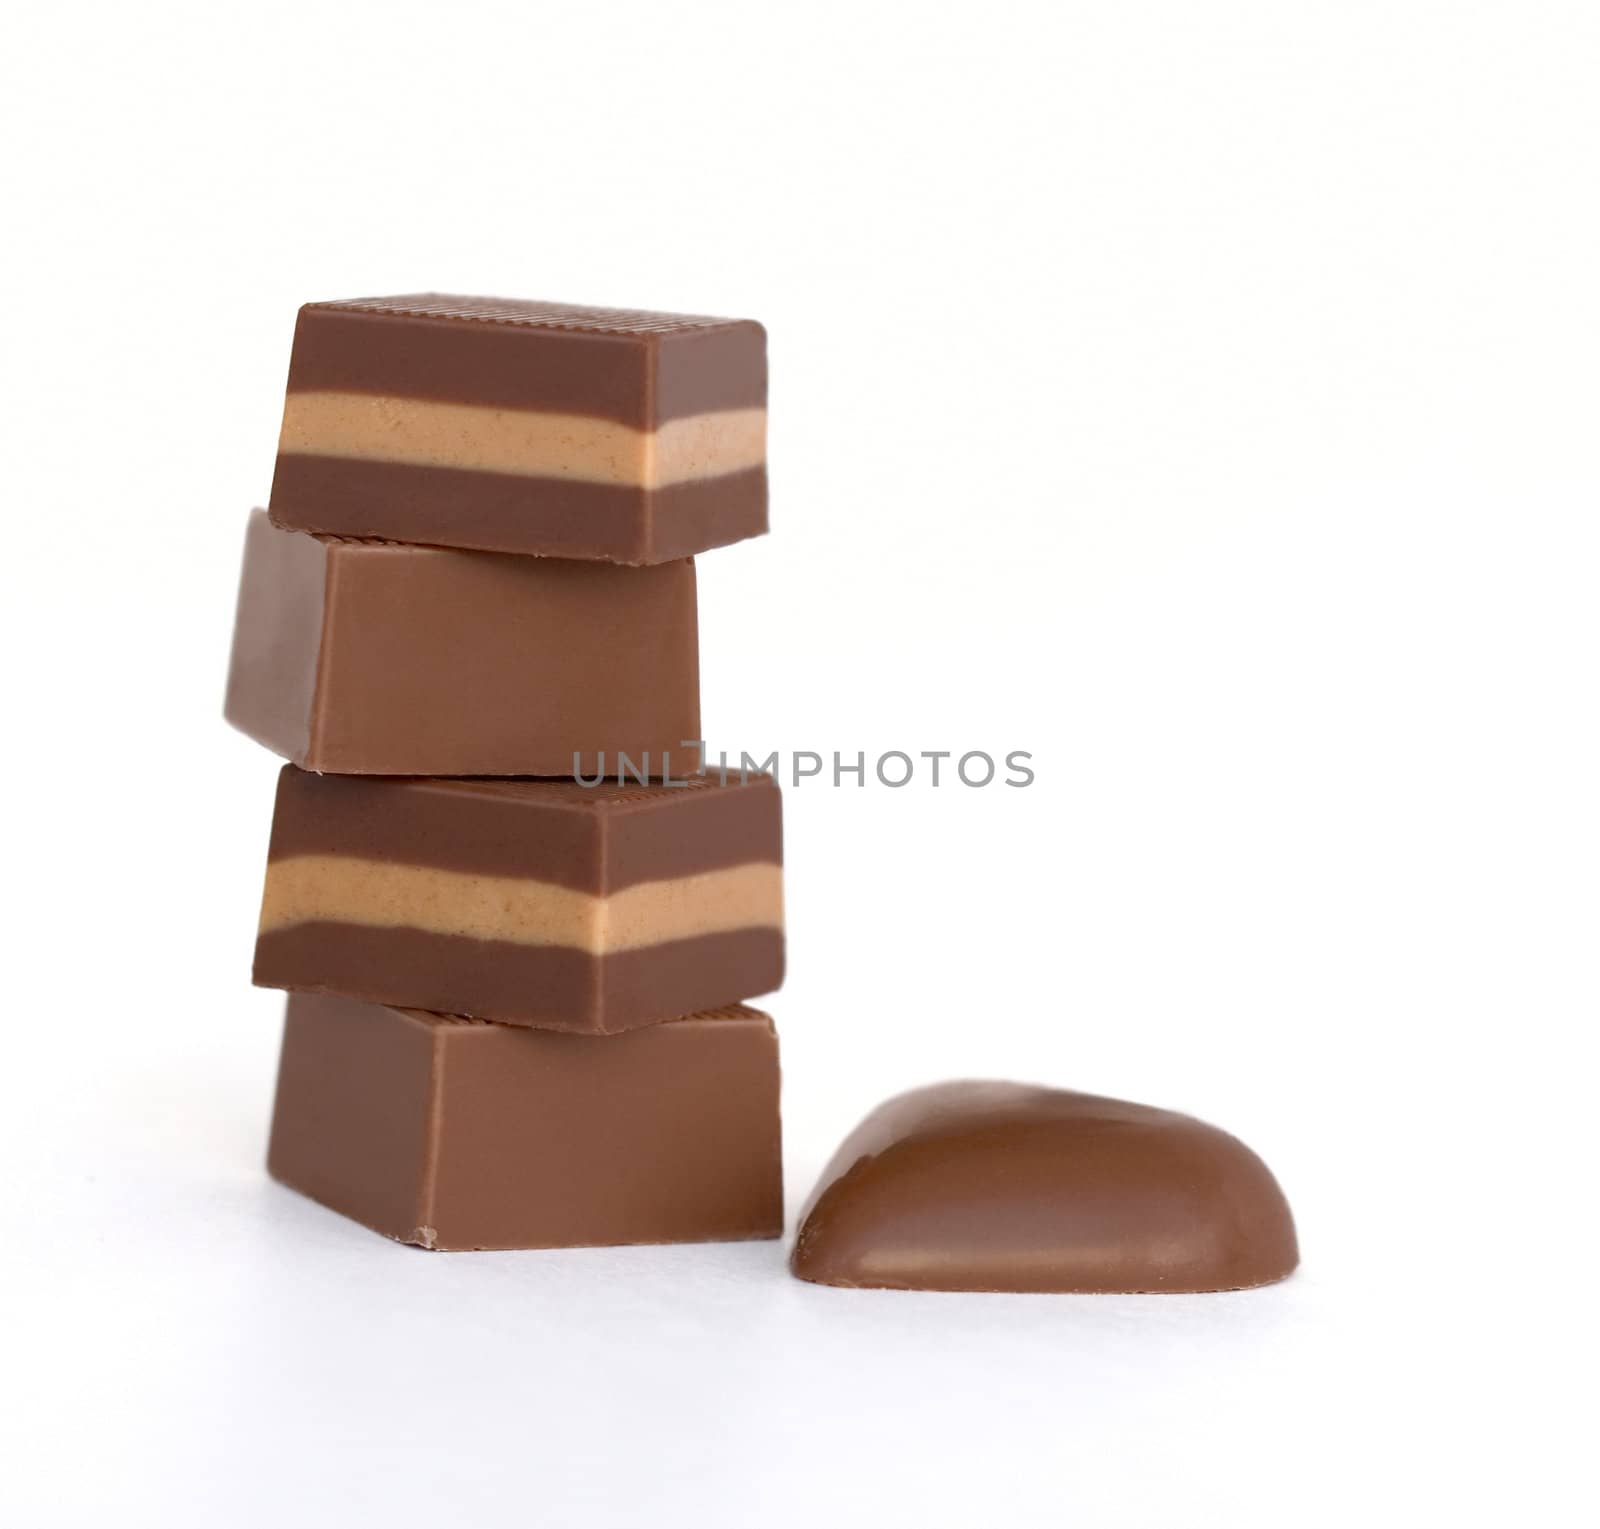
x=598, y=839
x=896, y=1148
x=275, y=660
x=503, y=353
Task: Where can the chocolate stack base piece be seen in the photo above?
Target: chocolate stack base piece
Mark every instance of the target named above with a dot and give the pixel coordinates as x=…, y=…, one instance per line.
x=456, y=1133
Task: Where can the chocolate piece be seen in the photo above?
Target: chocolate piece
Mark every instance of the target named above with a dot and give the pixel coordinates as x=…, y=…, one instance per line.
x=373, y=658
x=525, y=427
x=455, y=1133
x=542, y=903
x=1003, y=1186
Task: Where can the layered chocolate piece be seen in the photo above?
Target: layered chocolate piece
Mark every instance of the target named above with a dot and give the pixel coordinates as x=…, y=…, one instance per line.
x=529, y=427
x=455, y=1133
x=377, y=658
x=1002, y=1186
x=546, y=903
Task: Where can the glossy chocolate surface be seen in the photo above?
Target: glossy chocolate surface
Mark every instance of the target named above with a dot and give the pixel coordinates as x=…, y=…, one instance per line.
x=1009, y=1187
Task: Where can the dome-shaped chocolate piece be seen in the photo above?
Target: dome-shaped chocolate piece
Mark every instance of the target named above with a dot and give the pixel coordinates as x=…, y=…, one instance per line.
x=1005, y=1186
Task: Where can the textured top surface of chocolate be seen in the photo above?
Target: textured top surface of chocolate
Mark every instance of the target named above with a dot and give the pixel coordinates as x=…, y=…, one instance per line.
x=1007, y=1186
x=528, y=313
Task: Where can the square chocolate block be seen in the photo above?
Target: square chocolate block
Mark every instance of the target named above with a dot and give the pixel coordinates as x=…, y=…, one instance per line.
x=456, y=1133
x=530, y=427
x=542, y=903
x=374, y=658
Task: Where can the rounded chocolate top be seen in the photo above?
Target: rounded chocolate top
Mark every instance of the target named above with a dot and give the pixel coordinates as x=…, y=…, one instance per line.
x=1006, y=1186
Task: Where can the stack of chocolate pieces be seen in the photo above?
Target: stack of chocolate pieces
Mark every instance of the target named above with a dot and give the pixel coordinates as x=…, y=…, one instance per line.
x=516, y=926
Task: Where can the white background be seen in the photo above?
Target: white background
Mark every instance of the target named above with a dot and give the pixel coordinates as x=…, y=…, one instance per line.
x=1202, y=396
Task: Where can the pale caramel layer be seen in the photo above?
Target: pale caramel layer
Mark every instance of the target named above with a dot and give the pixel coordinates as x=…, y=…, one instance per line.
x=417, y=432
x=343, y=889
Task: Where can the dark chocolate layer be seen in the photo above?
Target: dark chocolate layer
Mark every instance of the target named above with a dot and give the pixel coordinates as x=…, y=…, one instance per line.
x=451, y=1133
x=1003, y=1186
x=506, y=512
x=548, y=987
x=596, y=839
x=637, y=368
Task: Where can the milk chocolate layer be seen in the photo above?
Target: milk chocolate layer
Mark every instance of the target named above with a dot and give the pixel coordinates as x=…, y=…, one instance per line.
x=453, y=1133
x=1004, y=1186
x=542, y=903
x=378, y=658
x=553, y=429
